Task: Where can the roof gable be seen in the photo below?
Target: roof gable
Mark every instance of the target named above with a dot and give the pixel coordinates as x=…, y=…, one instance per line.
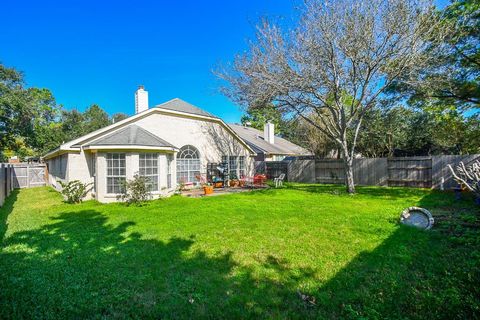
x=183, y=106
x=132, y=135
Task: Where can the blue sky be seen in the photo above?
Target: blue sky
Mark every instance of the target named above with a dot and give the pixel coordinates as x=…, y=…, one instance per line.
x=89, y=52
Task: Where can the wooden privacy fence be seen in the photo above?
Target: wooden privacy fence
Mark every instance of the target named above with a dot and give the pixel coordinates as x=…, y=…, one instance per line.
x=29, y=175
x=6, y=185
x=394, y=172
x=14, y=176
x=418, y=172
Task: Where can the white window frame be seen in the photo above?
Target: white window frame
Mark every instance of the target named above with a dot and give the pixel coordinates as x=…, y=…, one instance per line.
x=236, y=165
x=188, y=164
x=242, y=172
x=233, y=166
x=169, y=170
x=148, y=168
x=115, y=171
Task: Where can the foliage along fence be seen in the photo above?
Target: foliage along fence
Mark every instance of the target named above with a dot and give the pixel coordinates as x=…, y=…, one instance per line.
x=13, y=176
x=417, y=172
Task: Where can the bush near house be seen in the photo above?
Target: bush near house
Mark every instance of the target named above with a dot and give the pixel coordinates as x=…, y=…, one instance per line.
x=304, y=251
x=135, y=191
x=74, y=191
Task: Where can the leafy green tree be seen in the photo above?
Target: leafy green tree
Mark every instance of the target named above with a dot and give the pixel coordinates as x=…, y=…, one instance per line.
x=455, y=133
x=452, y=77
x=257, y=116
x=22, y=111
x=72, y=122
x=31, y=123
x=402, y=131
x=119, y=117
x=384, y=132
x=95, y=118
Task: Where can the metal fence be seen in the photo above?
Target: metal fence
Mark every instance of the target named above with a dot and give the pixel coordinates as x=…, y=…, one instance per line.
x=417, y=172
x=14, y=176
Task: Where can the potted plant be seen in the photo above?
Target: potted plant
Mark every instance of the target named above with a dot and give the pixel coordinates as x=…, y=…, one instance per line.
x=241, y=182
x=217, y=182
x=207, y=189
x=234, y=180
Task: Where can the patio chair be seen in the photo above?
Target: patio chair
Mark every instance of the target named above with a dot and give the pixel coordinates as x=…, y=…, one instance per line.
x=279, y=180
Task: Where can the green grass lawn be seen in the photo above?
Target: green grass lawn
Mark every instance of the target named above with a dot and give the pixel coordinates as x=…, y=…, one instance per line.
x=305, y=251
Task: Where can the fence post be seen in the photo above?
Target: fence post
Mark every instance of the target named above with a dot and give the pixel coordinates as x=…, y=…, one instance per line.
x=2, y=184
x=28, y=175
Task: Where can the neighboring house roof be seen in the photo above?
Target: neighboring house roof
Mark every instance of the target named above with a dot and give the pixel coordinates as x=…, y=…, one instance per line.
x=183, y=106
x=132, y=135
x=255, y=139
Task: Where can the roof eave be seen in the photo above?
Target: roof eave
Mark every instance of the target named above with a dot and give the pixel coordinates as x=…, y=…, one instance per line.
x=130, y=147
x=58, y=151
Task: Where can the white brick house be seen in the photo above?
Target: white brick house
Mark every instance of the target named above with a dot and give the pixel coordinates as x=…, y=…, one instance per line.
x=169, y=143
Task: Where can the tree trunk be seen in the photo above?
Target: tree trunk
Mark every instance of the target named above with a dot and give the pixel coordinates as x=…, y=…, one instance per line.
x=349, y=176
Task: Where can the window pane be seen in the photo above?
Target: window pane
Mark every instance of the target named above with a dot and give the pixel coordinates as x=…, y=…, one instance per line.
x=115, y=172
x=148, y=167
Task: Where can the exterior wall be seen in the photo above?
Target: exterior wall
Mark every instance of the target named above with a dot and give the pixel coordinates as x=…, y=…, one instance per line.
x=210, y=138
x=57, y=170
x=80, y=168
x=132, y=167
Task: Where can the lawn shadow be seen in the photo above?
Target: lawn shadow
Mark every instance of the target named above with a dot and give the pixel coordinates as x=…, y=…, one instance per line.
x=5, y=211
x=80, y=266
x=373, y=191
x=413, y=274
x=83, y=266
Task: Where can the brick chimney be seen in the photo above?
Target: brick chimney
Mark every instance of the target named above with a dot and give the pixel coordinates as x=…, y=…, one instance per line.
x=141, y=99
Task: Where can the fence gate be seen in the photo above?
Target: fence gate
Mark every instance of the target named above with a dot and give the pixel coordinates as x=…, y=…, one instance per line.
x=27, y=176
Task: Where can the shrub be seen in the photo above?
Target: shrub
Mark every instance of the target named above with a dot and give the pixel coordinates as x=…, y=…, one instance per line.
x=75, y=191
x=135, y=191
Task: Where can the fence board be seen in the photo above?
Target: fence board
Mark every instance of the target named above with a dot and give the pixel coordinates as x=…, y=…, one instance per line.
x=20, y=176
x=442, y=178
x=28, y=175
x=3, y=189
x=329, y=171
x=301, y=171
x=419, y=172
x=410, y=172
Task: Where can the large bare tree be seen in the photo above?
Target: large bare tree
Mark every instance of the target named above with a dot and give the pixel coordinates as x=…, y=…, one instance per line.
x=336, y=63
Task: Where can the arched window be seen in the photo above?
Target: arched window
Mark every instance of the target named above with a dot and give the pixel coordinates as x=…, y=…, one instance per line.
x=188, y=164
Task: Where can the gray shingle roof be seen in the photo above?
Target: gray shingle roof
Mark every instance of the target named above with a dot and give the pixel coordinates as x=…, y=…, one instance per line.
x=131, y=135
x=183, y=106
x=254, y=138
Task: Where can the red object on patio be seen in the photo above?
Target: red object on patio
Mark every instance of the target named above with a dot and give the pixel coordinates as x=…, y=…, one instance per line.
x=259, y=179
